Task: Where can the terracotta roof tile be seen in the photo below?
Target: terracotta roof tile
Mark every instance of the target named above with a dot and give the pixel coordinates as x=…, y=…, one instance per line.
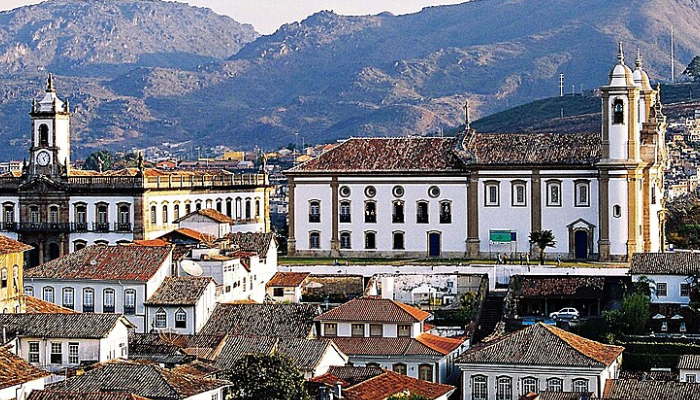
x=211, y=214
x=389, y=383
x=558, y=286
x=78, y=325
x=15, y=371
x=630, y=389
x=375, y=346
x=66, y=395
x=542, y=344
x=257, y=242
x=126, y=263
x=347, y=375
x=673, y=263
x=439, y=343
x=288, y=279
x=38, y=306
x=180, y=291
x=530, y=148
x=280, y=320
x=374, y=309
x=197, y=368
x=152, y=242
x=386, y=154
x=8, y=245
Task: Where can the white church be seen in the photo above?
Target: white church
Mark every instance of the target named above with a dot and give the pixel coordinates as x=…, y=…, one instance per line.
x=481, y=194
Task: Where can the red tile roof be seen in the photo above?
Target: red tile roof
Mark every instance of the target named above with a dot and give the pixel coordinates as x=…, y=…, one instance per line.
x=211, y=214
x=191, y=233
x=180, y=291
x=15, y=371
x=542, y=344
x=152, y=242
x=379, y=385
x=8, y=245
x=439, y=343
x=126, y=263
x=559, y=286
x=288, y=279
x=386, y=154
x=38, y=306
x=389, y=346
x=374, y=309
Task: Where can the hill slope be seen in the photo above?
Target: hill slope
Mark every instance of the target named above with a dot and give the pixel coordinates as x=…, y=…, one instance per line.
x=332, y=76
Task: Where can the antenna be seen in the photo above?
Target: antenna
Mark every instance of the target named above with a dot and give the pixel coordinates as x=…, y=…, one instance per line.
x=673, y=66
x=561, y=85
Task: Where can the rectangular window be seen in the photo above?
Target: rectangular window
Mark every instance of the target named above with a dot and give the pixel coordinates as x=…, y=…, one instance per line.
x=554, y=194
x=398, y=242
x=479, y=388
x=108, y=305
x=181, y=319
x=88, y=300
x=376, y=330
x=345, y=212
x=345, y=242
x=278, y=292
x=661, y=289
x=492, y=195
x=690, y=378
x=330, y=329
x=68, y=301
x=73, y=353
x=129, y=302
x=315, y=211
x=34, y=352
x=370, y=240
x=370, y=212
x=404, y=331
x=397, y=215
x=685, y=290
x=422, y=213
x=314, y=240
x=445, y=212
x=56, y=353
x=519, y=195
x=48, y=294
x=358, y=330
x=582, y=194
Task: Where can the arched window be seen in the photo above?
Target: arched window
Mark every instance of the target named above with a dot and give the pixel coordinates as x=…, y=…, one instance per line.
x=79, y=244
x=165, y=214
x=370, y=211
x=618, y=111
x=617, y=211
x=43, y=135
x=422, y=212
x=53, y=214
x=176, y=212
x=504, y=388
x=15, y=276
x=68, y=298
x=209, y=203
x=480, y=389
x=397, y=212
x=188, y=207
x=248, y=210
x=198, y=205
x=48, y=294
x=314, y=240
x=180, y=319
x=345, y=242
x=314, y=211
x=153, y=215
x=529, y=385
x=219, y=205
x=445, y=212
x=229, y=207
x=238, y=207
x=81, y=216
x=34, y=215
x=88, y=300
x=102, y=215
x=492, y=195
x=9, y=214
x=3, y=278
x=29, y=290
x=370, y=240
x=580, y=385
x=555, y=385
x=554, y=193
x=257, y=208
x=425, y=372
x=582, y=194
x=399, y=368
x=124, y=217
x=398, y=241
x=345, y=214
x=161, y=319
x=108, y=301
x=129, y=301
x=519, y=193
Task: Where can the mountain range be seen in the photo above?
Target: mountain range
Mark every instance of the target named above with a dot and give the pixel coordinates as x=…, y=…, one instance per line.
x=145, y=72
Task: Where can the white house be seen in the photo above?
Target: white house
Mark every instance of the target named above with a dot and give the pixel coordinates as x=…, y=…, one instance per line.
x=538, y=358
x=57, y=341
x=479, y=194
x=689, y=368
x=388, y=334
x=670, y=274
x=181, y=304
x=103, y=279
x=287, y=286
x=19, y=378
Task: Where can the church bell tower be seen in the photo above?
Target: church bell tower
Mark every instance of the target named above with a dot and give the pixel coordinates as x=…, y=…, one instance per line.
x=49, y=153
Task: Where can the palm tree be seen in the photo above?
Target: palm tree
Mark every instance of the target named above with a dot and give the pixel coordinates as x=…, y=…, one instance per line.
x=542, y=239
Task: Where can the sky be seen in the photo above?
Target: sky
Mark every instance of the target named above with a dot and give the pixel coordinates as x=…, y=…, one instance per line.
x=268, y=15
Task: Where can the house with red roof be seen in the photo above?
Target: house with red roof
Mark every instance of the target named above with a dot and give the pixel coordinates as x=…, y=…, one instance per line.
x=287, y=286
x=385, y=333
x=18, y=377
x=538, y=358
x=103, y=279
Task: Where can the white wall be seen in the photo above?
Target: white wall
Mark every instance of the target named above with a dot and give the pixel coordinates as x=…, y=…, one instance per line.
x=673, y=288
x=22, y=391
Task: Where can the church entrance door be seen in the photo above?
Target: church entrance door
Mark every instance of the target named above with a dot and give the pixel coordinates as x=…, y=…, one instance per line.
x=434, y=244
x=581, y=244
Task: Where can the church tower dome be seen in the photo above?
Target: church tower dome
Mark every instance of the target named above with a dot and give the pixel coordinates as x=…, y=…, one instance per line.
x=621, y=74
x=641, y=79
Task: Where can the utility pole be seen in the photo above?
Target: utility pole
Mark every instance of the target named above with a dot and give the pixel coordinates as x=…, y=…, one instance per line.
x=673, y=58
x=561, y=85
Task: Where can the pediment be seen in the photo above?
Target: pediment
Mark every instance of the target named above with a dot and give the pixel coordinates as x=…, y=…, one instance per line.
x=581, y=223
x=41, y=184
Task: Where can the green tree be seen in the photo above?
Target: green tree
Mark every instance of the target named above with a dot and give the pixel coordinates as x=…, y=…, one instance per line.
x=468, y=306
x=542, y=239
x=693, y=69
x=407, y=396
x=272, y=377
x=631, y=318
x=101, y=160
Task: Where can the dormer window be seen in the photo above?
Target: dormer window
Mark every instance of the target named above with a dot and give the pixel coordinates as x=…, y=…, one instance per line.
x=618, y=112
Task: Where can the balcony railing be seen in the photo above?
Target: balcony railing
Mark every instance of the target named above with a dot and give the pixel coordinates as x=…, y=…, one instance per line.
x=345, y=218
x=65, y=227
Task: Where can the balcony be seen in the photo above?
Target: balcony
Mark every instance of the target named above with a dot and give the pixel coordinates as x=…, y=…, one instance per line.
x=100, y=227
x=44, y=227
x=65, y=227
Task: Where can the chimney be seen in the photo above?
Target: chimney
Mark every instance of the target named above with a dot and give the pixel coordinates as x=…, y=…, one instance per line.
x=337, y=390
x=644, y=376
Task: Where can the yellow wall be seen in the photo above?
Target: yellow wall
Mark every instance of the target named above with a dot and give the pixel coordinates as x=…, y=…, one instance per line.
x=234, y=155
x=11, y=295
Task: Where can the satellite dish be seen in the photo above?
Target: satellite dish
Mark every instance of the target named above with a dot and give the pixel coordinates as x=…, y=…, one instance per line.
x=191, y=267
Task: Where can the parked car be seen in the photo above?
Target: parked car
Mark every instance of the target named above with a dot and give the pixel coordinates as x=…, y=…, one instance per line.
x=565, y=313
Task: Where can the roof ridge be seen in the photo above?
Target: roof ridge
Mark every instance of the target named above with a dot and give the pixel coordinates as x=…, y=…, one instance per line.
x=560, y=334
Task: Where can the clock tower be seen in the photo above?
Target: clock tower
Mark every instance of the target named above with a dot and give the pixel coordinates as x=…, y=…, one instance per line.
x=49, y=153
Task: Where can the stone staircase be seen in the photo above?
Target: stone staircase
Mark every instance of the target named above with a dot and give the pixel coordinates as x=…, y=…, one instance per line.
x=491, y=314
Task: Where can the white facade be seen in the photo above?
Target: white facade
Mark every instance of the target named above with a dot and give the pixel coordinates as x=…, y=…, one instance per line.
x=288, y=293
x=673, y=289
x=195, y=316
x=689, y=375
x=21, y=391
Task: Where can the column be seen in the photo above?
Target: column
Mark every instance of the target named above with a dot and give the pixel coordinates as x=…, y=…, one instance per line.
x=473, y=242
x=291, y=241
x=335, y=245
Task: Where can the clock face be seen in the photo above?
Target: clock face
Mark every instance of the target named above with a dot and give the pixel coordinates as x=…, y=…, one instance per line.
x=43, y=158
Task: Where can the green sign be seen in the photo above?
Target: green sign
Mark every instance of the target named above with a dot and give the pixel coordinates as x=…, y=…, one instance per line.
x=501, y=236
